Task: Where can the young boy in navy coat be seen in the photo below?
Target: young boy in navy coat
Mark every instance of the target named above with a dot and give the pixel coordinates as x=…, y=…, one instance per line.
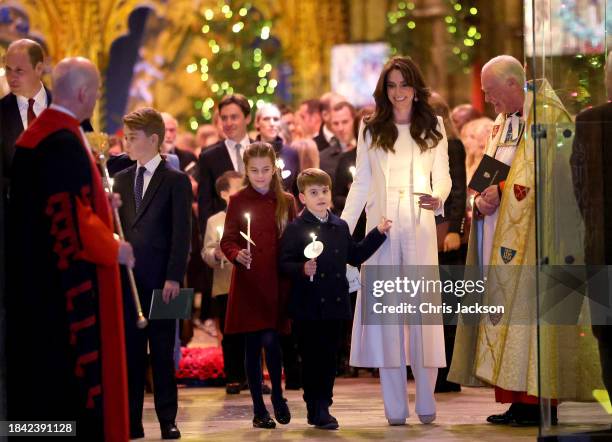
x=318, y=308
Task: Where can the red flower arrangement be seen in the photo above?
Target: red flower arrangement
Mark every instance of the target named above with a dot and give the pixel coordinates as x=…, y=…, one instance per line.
x=200, y=364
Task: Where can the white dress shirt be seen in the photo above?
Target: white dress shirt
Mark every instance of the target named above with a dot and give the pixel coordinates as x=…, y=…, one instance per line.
x=40, y=104
x=231, y=149
x=151, y=166
x=328, y=134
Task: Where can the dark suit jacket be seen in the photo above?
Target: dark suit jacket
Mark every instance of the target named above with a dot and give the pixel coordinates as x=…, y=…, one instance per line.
x=591, y=158
x=327, y=297
x=321, y=141
x=213, y=162
x=10, y=128
x=454, y=206
x=342, y=184
x=185, y=157
x=160, y=231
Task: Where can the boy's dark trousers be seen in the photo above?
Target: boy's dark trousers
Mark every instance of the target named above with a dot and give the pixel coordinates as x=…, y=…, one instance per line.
x=232, y=345
x=160, y=335
x=318, y=343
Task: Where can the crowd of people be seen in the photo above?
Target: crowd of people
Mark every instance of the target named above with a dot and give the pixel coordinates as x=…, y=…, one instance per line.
x=229, y=211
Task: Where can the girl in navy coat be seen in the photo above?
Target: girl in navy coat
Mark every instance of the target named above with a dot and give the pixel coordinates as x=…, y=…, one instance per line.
x=257, y=296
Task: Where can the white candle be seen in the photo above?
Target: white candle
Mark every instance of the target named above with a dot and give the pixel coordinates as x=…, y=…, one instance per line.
x=248, y=217
x=220, y=234
x=314, y=238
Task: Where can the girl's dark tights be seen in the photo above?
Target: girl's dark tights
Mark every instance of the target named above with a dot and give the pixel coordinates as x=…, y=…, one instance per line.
x=254, y=342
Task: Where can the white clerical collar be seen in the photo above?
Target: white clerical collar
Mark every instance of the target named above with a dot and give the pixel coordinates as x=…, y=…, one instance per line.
x=62, y=109
x=152, y=164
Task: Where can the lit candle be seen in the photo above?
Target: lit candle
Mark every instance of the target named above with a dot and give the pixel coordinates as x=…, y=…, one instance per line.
x=353, y=170
x=314, y=238
x=220, y=234
x=248, y=217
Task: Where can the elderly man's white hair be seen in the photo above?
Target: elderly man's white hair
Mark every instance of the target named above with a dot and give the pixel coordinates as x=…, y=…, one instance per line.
x=504, y=67
x=169, y=117
x=70, y=75
x=264, y=107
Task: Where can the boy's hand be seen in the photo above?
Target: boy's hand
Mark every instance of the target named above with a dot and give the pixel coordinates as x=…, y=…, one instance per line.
x=310, y=267
x=385, y=225
x=244, y=257
x=170, y=291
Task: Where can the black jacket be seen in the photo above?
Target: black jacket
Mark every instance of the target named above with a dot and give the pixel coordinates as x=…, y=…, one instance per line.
x=454, y=207
x=185, y=157
x=213, y=162
x=342, y=184
x=11, y=127
x=321, y=141
x=327, y=297
x=160, y=231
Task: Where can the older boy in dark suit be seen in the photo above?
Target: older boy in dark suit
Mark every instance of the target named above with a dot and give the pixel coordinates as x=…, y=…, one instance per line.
x=320, y=307
x=156, y=219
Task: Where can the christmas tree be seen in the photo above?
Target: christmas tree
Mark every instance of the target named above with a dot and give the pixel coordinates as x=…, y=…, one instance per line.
x=242, y=57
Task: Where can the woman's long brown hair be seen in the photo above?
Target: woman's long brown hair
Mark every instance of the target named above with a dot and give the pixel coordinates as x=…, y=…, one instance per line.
x=260, y=149
x=423, y=124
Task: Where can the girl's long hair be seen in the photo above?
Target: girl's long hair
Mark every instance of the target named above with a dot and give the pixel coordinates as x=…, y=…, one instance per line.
x=423, y=124
x=260, y=149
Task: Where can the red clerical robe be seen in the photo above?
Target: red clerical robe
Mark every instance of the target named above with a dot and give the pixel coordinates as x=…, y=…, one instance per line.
x=65, y=346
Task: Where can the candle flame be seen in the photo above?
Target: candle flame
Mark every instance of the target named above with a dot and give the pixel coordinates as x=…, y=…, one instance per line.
x=247, y=215
x=353, y=170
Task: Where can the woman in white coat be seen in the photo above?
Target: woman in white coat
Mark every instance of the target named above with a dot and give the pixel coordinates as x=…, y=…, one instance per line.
x=402, y=149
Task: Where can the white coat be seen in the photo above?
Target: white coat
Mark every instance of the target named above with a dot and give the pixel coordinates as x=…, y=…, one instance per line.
x=378, y=345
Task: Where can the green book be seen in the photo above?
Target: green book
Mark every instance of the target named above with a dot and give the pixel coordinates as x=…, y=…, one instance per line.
x=177, y=308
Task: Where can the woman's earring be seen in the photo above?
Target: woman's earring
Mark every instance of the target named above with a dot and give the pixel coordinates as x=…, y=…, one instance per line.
x=415, y=99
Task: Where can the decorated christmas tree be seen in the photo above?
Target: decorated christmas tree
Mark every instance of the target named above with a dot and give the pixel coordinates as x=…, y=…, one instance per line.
x=242, y=57
x=409, y=32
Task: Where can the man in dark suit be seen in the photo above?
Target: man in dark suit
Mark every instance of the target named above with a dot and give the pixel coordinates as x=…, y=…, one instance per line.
x=342, y=121
x=28, y=96
x=309, y=116
x=591, y=159
x=235, y=116
x=186, y=159
x=156, y=217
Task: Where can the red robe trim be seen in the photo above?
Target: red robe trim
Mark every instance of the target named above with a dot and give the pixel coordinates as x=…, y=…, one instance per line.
x=100, y=248
x=520, y=397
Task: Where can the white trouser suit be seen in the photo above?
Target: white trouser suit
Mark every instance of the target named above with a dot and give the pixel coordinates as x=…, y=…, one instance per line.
x=393, y=380
x=404, y=253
